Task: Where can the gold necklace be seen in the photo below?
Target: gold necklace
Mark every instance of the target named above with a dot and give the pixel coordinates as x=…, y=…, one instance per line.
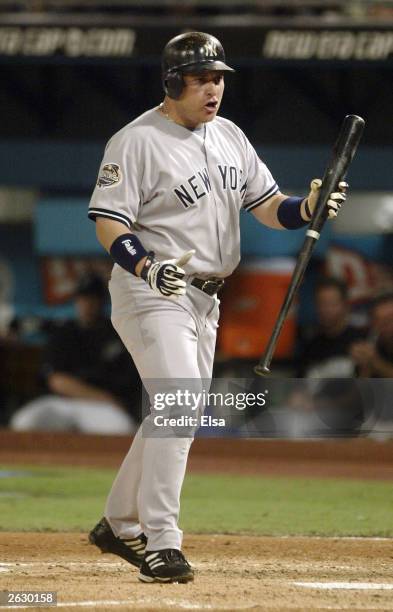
x=162, y=110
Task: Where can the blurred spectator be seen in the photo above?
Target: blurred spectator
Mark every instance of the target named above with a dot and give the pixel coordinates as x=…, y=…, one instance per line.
x=374, y=356
x=325, y=352
x=88, y=373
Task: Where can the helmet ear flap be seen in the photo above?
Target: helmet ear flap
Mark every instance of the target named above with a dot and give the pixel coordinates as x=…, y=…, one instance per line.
x=173, y=84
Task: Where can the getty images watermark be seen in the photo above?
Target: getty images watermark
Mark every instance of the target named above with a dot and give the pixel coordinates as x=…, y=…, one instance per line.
x=268, y=408
x=189, y=407
x=186, y=401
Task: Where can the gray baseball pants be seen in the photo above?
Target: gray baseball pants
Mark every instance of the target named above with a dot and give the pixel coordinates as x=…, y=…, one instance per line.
x=169, y=340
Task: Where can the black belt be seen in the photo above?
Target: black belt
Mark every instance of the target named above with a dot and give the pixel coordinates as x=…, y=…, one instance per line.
x=211, y=286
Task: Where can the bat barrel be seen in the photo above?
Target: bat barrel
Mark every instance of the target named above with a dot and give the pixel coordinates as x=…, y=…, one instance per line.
x=342, y=154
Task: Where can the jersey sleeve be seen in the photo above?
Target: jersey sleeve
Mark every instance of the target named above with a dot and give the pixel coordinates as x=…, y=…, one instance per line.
x=117, y=194
x=260, y=183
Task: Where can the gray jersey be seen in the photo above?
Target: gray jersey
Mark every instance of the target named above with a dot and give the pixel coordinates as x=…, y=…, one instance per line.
x=179, y=189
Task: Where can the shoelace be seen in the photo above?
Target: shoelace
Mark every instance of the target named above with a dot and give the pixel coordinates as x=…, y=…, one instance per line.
x=176, y=556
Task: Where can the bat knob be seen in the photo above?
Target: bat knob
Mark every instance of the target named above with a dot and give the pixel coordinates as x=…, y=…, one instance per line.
x=261, y=370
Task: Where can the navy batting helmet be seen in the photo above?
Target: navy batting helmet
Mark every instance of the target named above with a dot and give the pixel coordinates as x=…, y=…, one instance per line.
x=190, y=53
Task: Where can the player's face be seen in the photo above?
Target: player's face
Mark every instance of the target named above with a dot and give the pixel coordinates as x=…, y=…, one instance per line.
x=201, y=97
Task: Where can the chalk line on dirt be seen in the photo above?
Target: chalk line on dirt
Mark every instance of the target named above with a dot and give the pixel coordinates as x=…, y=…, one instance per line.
x=360, y=586
x=61, y=563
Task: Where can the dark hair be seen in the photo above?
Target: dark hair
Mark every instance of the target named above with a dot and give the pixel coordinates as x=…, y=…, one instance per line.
x=382, y=298
x=330, y=282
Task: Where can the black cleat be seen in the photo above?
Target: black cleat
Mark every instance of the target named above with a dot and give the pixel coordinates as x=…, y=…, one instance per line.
x=168, y=565
x=131, y=550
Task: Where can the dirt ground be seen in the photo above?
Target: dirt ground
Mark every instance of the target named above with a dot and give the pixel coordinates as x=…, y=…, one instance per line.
x=232, y=573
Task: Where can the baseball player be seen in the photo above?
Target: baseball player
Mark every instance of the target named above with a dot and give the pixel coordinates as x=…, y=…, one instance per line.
x=167, y=201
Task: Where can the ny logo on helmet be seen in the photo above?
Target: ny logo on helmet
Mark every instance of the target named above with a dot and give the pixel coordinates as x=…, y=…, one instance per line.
x=210, y=48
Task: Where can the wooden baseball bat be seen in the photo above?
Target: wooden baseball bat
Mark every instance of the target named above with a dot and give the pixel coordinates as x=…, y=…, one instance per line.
x=342, y=155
